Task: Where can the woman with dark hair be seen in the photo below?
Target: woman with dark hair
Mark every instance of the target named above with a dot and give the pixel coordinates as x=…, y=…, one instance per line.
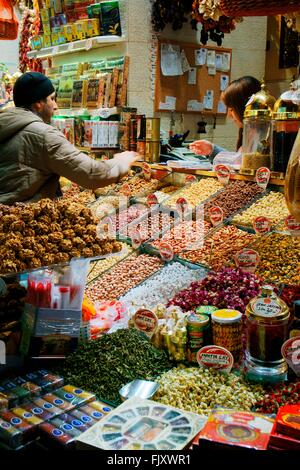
x=235, y=97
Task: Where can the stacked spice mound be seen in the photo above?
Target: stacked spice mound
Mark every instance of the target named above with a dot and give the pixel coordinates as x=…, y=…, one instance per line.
x=46, y=233
x=227, y=288
x=104, y=365
x=196, y=192
x=236, y=195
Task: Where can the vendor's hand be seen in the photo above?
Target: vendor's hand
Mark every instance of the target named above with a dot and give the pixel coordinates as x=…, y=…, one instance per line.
x=201, y=147
x=125, y=159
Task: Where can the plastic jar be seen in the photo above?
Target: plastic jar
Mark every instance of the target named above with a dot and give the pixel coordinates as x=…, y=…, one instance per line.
x=227, y=331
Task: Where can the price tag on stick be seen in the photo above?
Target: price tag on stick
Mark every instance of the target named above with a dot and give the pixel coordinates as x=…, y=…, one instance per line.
x=215, y=357
x=182, y=206
x=290, y=350
x=262, y=177
x=152, y=200
x=223, y=174
x=292, y=225
x=136, y=238
x=146, y=171
x=216, y=215
x=166, y=251
x=247, y=260
x=145, y=321
x=189, y=179
x=262, y=225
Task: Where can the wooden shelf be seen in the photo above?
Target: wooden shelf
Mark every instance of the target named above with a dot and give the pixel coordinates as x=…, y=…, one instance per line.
x=235, y=176
x=76, y=46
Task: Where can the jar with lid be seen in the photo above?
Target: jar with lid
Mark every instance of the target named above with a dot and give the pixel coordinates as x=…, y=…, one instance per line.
x=292, y=180
x=197, y=328
x=267, y=323
x=285, y=125
x=227, y=331
x=256, y=132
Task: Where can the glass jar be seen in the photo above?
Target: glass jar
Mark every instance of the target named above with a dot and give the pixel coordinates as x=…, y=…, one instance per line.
x=227, y=331
x=292, y=180
x=267, y=323
x=285, y=125
x=257, y=132
x=197, y=326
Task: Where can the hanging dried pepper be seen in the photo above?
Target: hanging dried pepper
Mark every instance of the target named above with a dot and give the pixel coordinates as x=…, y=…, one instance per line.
x=30, y=26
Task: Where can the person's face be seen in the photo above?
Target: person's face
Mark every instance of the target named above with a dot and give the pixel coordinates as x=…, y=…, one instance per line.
x=232, y=115
x=45, y=108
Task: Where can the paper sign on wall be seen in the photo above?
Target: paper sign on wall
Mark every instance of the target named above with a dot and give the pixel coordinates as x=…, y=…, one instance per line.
x=226, y=62
x=192, y=76
x=224, y=81
x=211, y=71
x=194, y=105
x=221, y=107
x=219, y=62
x=170, y=60
x=200, y=56
x=211, y=59
x=209, y=99
x=184, y=62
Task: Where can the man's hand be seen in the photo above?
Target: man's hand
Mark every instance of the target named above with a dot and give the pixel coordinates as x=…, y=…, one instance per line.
x=125, y=160
x=201, y=147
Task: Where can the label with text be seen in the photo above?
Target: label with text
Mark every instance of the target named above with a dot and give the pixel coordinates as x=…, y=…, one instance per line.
x=181, y=205
x=267, y=307
x=292, y=225
x=262, y=225
x=247, y=260
x=189, y=179
x=216, y=215
x=215, y=357
x=145, y=321
x=262, y=177
x=290, y=351
x=152, y=200
x=223, y=173
x=136, y=238
x=146, y=171
x=166, y=251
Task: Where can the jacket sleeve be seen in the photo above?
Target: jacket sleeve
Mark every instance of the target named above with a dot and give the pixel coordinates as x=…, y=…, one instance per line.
x=63, y=159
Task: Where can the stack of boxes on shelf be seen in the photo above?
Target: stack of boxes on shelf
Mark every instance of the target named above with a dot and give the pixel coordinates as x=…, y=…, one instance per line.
x=66, y=21
x=81, y=89
x=38, y=408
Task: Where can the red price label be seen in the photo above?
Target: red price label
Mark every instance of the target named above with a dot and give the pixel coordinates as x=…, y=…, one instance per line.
x=152, y=200
x=262, y=225
x=181, y=205
x=290, y=350
x=292, y=225
x=105, y=157
x=215, y=357
x=216, y=215
x=189, y=179
x=136, y=239
x=147, y=171
x=247, y=260
x=145, y=321
x=126, y=190
x=223, y=173
x=166, y=251
x=262, y=177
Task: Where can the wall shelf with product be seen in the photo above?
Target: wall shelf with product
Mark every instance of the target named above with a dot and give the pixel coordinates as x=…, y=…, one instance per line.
x=76, y=46
x=190, y=77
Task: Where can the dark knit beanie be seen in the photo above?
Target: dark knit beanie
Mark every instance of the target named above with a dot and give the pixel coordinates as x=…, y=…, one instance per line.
x=30, y=88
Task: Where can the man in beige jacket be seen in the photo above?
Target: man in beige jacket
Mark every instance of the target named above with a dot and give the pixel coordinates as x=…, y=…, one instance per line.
x=33, y=154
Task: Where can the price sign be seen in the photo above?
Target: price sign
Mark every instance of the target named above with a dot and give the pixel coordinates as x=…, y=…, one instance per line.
x=292, y=225
x=290, y=350
x=166, y=251
x=215, y=357
x=126, y=190
x=247, y=260
x=223, y=174
x=136, y=238
x=152, y=200
x=216, y=215
x=262, y=225
x=189, y=179
x=181, y=205
x=88, y=44
x=145, y=321
x=105, y=157
x=147, y=171
x=262, y=177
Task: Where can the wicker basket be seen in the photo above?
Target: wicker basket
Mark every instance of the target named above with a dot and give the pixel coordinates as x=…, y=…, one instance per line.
x=258, y=7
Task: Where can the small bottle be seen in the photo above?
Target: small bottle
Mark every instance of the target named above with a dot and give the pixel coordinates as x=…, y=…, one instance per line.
x=295, y=325
x=227, y=331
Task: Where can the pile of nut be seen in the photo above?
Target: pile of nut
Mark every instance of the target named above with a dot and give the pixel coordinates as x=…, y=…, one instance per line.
x=220, y=247
x=184, y=234
x=272, y=206
x=199, y=390
x=138, y=186
x=98, y=267
x=196, y=192
x=106, y=205
x=48, y=232
x=236, y=195
x=122, y=277
x=150, y=226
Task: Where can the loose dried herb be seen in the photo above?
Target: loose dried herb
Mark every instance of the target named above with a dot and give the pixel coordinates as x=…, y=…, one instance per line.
x=103, y=366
